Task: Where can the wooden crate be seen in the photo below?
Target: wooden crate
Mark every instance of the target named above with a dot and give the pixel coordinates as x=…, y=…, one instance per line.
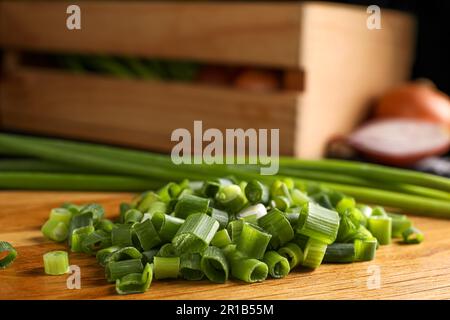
x=345, y=65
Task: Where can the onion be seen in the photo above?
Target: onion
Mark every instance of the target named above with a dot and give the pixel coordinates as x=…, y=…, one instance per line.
x=400, y=142
x=257, y=80
x=416, y=100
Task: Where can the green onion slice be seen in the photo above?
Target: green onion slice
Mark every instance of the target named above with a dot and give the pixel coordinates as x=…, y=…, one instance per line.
x=256, y=192
x=293, y=253
x=121, y=235
x=340, y=253
x=147, y=235
x=381, y=228
x=78, y=237
x=249, y=270
x=253, y=241
x=195, y=234
x=61, y=214
x=7, y=254
x=166, y=267
x=276, y=223
x=135, y=282
x=314, y=253
x=365, y=249
x=412, y=236
x=56, y=262
x=319, y=223
x=214, y=265
x=221, y=239
x=55, y=230
x=190, y=266
x=190, y=204
x=278, y=265
x=117, y=269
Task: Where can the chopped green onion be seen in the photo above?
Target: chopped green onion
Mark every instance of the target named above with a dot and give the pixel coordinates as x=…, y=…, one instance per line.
x=78, y=221
x=278, y=265
x=132, y=216
x=146, y=201
x=257, y=211
x=126, y=253
x=73, y=208
x=249, y=270
x=95, y=241
x=135, y=282
x=400, y=223
x=209, y=189
x=157, y=207
x=276, y=223
x=61, y=214
x=55, y=230
x=118, y=269
x=78, y=237
x=281, y=203
x=381, y=228
x=365, y=249
x=147, y=235
x=147, y=256
x=412, y=236
x=169, y=191
x=195, y=234
x=378, y=212
x=221, y=239
x=319, y=223
x=293, y=253
x=121, y=236
x=299, y=198
x=123, y=208
x=94, y=209
x=166, y=267
x=221, y=217
x=167, y=250
x=256, y=192
x=231, y=198
x=190, y=204
x=301, y=240
x=105, y=225
x=235, y=229
x=169, y=226
x=314, y=253
x=253, y=241
x=214, y=265
x=190, y=266
x=340, y=253
x=103, y=254
x=7, y=254
x=56, y=262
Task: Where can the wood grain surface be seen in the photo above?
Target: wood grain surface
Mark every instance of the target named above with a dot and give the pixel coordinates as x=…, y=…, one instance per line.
x=406, y=271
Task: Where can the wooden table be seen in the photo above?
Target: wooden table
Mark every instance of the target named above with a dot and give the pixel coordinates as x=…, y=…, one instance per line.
x=406, y=271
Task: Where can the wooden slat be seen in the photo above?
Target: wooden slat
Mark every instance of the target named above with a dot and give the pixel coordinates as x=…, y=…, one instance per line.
x=136, y=113
x=406, y=271
x=265, y=34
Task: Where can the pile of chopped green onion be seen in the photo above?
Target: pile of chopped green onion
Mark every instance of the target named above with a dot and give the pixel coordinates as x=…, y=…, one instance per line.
x=50, y=164
x=224, y=228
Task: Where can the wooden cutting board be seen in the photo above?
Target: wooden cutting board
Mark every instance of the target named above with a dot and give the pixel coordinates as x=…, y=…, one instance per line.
x=406, y=271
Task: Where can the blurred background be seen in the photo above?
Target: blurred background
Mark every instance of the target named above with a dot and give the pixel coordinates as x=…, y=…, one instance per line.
x=138, y=70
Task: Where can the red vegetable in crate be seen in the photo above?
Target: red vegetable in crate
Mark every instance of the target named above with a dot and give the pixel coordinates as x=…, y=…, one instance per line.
x=216, y=75
x=400, y=141
x=419, y=100
x=257, y=80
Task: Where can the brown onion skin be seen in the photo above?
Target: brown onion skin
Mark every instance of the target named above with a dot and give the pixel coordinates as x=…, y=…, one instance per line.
x=415, y=100
x=216, y=75
x=257, y=80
